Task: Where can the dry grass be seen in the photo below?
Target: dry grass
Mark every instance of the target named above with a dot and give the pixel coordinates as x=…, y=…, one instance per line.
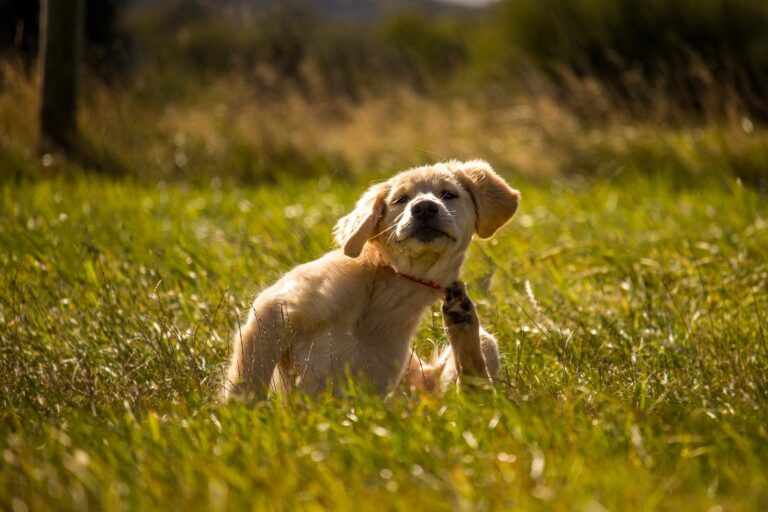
x=228, y=130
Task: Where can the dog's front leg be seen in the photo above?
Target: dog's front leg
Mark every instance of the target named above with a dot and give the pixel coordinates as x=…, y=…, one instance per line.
x=475, y=356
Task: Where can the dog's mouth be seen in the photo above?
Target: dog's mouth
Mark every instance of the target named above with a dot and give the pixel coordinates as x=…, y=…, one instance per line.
x=427, y=234
x=423, y=232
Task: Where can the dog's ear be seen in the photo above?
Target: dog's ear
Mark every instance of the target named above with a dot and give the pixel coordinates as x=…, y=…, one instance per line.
x=495, y=201
x=355, y=228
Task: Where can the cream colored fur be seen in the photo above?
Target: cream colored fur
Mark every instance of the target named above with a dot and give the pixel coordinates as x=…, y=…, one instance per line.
x=350, y=313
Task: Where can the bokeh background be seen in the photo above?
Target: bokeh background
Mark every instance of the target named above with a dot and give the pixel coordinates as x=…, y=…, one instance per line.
x=247, y=90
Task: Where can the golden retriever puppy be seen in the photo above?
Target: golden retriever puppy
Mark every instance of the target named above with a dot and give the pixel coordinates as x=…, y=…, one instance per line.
x=353, y=312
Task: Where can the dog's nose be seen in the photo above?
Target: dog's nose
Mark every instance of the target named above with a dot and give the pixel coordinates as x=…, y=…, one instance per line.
x=424, y=209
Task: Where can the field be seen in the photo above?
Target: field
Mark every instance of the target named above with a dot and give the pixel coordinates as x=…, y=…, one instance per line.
x=632, y=314
x=216, y=151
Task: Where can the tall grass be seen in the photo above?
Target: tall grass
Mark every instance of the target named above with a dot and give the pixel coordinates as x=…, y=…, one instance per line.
x=225, y=130
x=631, y=317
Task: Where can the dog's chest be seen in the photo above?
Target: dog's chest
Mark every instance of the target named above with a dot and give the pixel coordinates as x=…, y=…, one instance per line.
x=373, y=343
x=391, y=314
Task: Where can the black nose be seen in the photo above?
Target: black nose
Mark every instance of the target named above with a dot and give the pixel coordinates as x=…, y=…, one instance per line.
x=424, y=209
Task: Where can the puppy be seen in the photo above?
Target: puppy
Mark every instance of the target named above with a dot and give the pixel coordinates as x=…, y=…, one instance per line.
x=353, y=312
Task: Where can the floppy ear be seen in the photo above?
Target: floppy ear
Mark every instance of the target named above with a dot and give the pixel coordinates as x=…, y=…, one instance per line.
x=495, y=201
x=355, y=228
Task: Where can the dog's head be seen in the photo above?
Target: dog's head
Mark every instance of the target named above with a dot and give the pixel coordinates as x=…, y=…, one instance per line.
x=426, y=216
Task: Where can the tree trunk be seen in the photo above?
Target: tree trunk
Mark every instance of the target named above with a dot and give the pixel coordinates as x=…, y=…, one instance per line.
x=61, y=26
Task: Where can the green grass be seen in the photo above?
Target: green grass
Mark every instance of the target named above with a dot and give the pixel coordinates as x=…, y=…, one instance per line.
x=632, y=317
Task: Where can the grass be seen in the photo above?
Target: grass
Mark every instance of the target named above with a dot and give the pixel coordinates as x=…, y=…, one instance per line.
x=165, y=127
x=629, y=296
x=632, y=315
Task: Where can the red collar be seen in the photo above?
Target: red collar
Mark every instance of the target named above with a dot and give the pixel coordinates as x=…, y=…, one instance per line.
x=415, y=279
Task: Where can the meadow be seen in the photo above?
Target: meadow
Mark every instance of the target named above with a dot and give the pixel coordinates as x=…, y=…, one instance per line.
x=629, y=294
x=631, y=315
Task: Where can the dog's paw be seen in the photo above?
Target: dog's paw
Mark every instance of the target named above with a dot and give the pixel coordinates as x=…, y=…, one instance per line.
x=458, y=308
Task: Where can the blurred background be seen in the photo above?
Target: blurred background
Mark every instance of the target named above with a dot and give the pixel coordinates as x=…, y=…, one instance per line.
x=251, y=90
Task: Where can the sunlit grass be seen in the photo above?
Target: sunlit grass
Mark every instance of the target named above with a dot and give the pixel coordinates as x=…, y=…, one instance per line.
x=631, y=315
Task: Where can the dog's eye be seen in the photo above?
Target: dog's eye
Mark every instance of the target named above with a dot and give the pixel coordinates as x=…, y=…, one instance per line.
x=447, y=194
x=400, y=200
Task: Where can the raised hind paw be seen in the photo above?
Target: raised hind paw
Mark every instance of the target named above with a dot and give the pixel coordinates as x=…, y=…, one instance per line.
x=458, y=309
